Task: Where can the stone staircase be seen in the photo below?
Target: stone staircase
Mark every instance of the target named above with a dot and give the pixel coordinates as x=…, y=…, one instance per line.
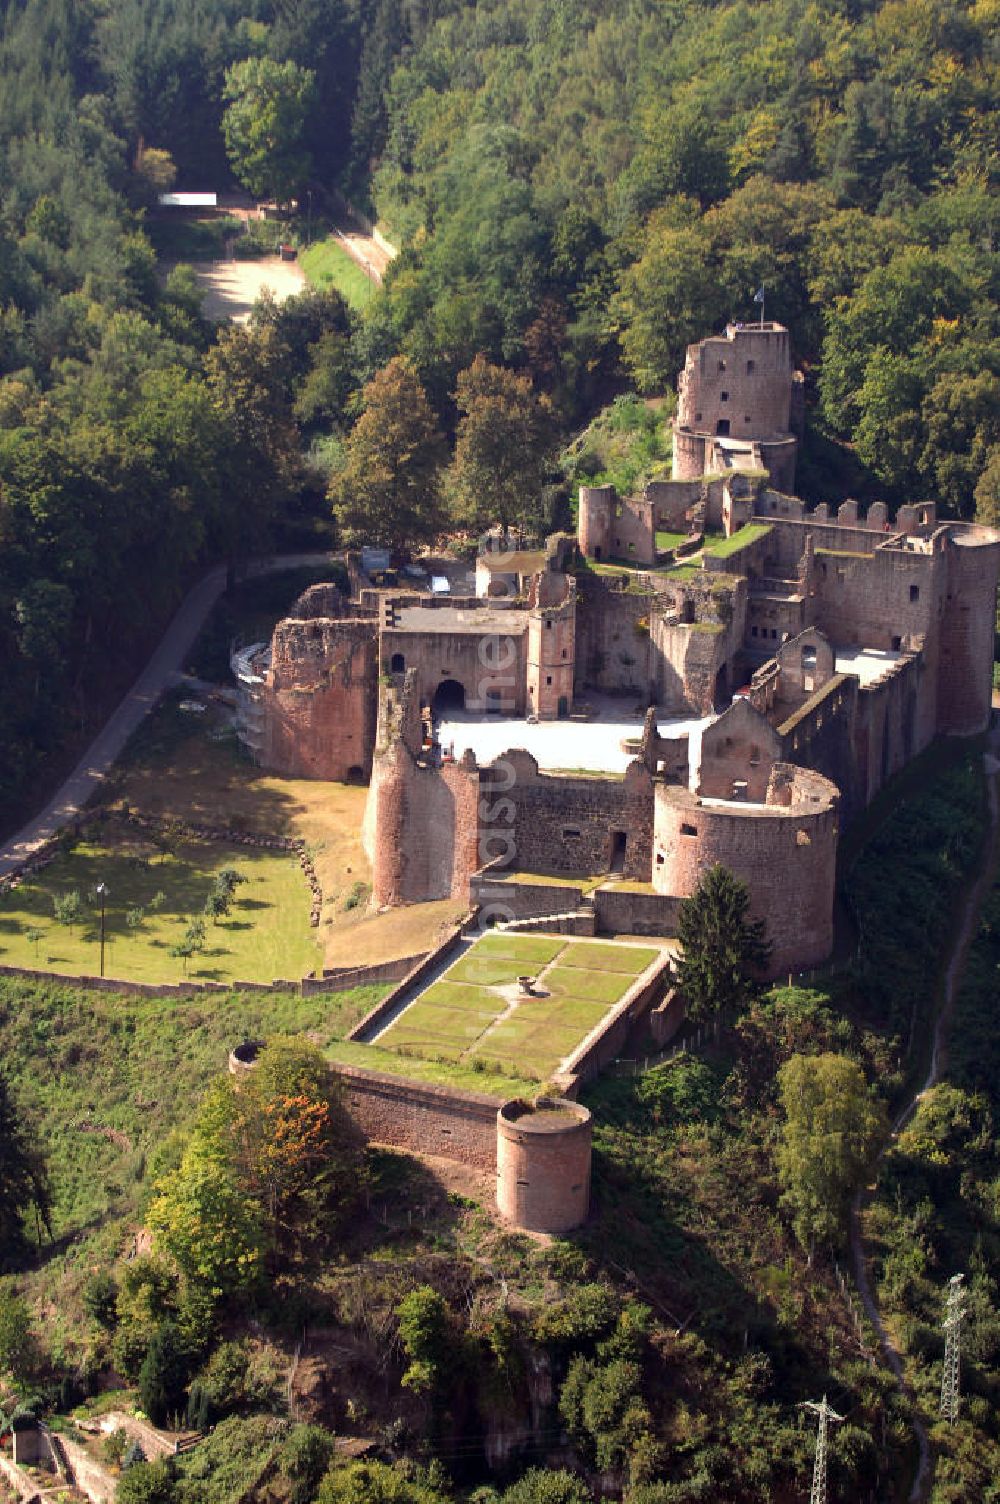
x=579, y=921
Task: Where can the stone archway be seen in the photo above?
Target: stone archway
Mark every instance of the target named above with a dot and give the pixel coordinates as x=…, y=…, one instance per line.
x=449, y=696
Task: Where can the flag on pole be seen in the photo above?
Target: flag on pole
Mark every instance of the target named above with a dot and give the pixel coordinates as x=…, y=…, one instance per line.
x=758, y=296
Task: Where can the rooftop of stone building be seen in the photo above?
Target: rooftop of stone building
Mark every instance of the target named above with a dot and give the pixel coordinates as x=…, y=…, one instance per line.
x=506, y=623
x=604, y=743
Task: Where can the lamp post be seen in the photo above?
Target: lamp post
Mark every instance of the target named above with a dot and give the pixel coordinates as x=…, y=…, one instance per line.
x=102, y=893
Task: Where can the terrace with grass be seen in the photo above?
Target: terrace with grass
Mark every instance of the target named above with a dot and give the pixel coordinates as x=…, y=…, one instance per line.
x=477, y=1015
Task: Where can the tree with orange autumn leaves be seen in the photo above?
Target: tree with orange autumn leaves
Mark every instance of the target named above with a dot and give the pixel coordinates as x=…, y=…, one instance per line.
x=268, y=1174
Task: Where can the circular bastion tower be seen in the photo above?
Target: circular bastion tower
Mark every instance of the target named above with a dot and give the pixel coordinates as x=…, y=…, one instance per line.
x=543, y=1164
x=784, y=849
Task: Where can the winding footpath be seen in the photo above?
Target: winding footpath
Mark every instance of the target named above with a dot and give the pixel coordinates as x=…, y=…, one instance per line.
x=920, y=1491
x=90, y=772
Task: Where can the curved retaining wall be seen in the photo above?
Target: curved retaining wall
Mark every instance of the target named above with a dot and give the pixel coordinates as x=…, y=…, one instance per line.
x=785, y=853
x=543, y=1164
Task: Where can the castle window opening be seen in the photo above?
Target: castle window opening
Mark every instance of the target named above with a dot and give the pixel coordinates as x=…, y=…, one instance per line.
x=659, y=858
x=397, y=664
x=548, y=678
x=723, y=396
x=722, y=365
x=570, y=832
x=722, y=428
x=897, y=643
x=697, y=417
x=750, y=367
x=565, y=652
x=914, y=592
x=755, y=757
x=689, y=830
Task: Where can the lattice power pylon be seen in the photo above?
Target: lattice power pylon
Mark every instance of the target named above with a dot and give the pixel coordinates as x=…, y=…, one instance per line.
x=954, y=1313
x=826, y=1414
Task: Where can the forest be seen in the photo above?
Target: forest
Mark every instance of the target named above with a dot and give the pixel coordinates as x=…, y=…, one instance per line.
x=578, y=192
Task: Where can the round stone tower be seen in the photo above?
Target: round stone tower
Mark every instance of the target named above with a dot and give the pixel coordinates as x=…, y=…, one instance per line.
x=596, y=508
x=543, y=1164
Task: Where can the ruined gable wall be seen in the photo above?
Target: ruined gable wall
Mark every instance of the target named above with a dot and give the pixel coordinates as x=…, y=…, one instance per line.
x=320, y=699
x=480, y=662
x=611, y=654
x=558, y=825
x=740, y=745
x=895, y=720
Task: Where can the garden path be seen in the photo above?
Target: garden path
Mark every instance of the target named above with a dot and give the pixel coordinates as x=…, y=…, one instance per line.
x=90, y=772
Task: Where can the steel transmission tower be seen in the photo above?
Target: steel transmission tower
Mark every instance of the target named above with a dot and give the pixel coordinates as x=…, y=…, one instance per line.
x=952, y=1348
x=826, y=1414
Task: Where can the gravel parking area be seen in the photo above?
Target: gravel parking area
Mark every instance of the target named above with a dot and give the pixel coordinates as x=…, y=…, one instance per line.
x=231, y=288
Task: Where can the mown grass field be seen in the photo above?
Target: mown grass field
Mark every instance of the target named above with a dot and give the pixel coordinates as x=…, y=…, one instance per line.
x=473, y=1014
x=327, y=264
x=265, y=936
x=191, y=768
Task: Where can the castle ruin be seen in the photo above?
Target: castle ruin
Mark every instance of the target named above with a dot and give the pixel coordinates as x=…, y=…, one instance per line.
x=774, y=682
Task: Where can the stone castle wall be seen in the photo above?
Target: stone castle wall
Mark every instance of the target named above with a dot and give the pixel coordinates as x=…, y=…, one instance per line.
x=320, y=700
x=785, y=854
x=967, y=634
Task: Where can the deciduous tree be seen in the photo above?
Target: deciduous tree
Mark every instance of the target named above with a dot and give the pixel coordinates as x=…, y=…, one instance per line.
x=506, y=439
x=268, y=105
x=388, y=491
x=832, y=1127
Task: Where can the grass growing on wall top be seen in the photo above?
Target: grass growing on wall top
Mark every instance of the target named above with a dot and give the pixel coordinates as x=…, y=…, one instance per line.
x=724, y=548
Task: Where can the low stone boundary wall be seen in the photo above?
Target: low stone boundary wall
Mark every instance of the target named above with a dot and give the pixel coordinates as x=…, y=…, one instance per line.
x=416, y=974
x=620, y=912
x=417, y=1115
x=20, y=1482
x=340, y=981
x=343, y=978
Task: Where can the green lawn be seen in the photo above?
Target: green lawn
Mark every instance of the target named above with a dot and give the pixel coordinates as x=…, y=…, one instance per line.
x=473, y=1014
x=666, y=541
x=265, y=936
x=327, y=264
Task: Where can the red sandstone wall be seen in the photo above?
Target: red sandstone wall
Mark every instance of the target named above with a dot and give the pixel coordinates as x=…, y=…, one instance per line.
x=320, y=702
x=426, y=829
x=787, y=859
x=746, y=379
x=415, y=1115
x=967, y=628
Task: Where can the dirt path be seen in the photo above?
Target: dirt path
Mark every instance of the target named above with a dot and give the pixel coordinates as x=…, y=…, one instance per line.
x=90, y=771
x=920, y=1491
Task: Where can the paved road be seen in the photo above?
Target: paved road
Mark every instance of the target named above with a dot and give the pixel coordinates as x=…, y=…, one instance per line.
x=89, y=773
x=924, y=1478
